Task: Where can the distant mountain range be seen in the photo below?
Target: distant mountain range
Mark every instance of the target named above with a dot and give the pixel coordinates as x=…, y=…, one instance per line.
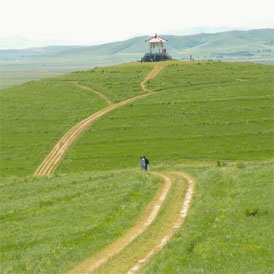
x=21, y=65
x=230, y=45
x=22, y=42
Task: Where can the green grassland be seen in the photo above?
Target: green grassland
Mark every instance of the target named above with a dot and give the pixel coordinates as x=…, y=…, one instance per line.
x=16, y=74
x=203, y=111
x=144, y=243
x=49, y=224
x=230, y=225
x=35, y=115
x=116, y=82
x=228, y=229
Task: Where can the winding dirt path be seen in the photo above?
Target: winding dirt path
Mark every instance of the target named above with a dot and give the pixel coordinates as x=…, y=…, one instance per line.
x=94, y=91
x=176, y=225
x=93, y=263
x=152, y=74
x=144, y=221
x=56, y=155
x=49, y=164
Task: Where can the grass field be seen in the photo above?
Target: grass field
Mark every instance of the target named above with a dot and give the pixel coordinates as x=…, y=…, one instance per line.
x=16, y=74
x=203, y=111
x=213, y=120
x=230, y=225
x=48, y=224
x=169, y=213
x=34, y=116
x=117, y=82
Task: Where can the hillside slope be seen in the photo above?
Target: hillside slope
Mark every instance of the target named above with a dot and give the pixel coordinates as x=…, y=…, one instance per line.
x=35, y=115
x=201, y=111
x=230, y=225
x=227, y=104
x=48, y=224
x=190, y=116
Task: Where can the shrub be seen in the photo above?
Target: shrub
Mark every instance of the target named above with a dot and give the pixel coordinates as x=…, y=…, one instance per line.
x=251, y=212
x=240, y=165
x=221, y=164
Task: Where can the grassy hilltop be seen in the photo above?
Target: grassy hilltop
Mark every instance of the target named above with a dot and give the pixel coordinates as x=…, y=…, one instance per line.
x=213, y=120
x=35, y=115
x=202, y=111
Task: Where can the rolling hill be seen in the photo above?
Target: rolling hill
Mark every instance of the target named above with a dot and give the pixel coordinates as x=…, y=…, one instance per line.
x=18, y=66
x=224, y=45
x=212, y=120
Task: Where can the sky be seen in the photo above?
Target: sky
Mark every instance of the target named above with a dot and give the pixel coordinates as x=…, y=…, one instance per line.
x=87, y=22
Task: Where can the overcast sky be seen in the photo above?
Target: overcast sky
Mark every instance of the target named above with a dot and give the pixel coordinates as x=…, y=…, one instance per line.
x=97, y=21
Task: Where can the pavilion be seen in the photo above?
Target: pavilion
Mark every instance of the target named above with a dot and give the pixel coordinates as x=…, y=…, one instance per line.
x=157, y=52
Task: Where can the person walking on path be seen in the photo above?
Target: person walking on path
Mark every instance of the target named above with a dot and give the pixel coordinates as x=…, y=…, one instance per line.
x=142, y=163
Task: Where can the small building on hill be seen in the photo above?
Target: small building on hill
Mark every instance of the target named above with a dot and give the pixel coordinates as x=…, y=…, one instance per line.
x=157, y=52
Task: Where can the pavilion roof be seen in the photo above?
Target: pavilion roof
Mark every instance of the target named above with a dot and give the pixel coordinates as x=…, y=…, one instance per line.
x=156, y=39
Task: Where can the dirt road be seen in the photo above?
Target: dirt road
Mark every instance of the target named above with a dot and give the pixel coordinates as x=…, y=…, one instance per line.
x=49, y=164
x=176, y=225
x=144, y=221
x=94, y=263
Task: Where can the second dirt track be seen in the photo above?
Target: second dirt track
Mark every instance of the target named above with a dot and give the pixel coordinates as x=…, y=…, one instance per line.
x=56, y=155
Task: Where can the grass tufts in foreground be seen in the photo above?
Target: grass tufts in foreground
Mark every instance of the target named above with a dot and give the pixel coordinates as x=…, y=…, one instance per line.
x=153, y=235
x=229, y=228
x=49, y=224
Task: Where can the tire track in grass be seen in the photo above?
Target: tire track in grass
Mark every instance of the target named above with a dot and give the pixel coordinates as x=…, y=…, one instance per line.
x=150, y=214
x=56, y=155
x=49, y=164
x=104, y=97
x=152, y=74
x=176, y=225
x=116, y=259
